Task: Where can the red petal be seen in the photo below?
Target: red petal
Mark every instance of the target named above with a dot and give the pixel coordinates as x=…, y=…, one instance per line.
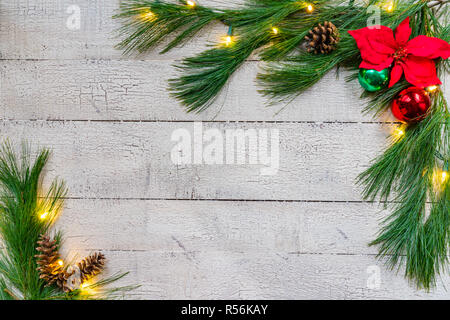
x=396, y=74
x=386, y=64
x=403, y=32
x=428, y=47
x=382, y=40
x=420, y=72
x=376, y=44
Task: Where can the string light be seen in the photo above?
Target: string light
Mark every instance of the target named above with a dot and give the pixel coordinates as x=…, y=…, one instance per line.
x=439, y=179
x=190, y=3
x=60, y=262
x=228, y=40
x=390, y=7
x=43, y=216
x=432, y=89
x=275, y=30
x=399, y=132
x=147, y=16
x=309, y=8
x=87, y=288
x=444, y=176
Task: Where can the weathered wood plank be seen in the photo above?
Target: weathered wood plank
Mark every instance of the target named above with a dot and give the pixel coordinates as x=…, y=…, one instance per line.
x=133, y=160
x=195, y=226
x=136, y=90
x=192, y=249
x=43, y=29
x=262, y=274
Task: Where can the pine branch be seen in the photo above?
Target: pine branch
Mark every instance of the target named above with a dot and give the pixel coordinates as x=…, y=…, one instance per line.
x=26, y=213
x=295, y=27
x=408, y=170
x=205, y=75
x=149, y=22
x=20, y=225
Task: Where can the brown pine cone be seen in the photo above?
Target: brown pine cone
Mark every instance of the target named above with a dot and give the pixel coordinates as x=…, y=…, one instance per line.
x=48, y=260
x=322, y=38
x=91, y=266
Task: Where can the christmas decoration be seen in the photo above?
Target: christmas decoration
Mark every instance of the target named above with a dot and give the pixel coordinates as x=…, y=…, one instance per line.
x=91, y=266
x=322, y=38
x=379, y=49
x=411, y=105
x=373, y=80
x=417, y=231
x=51, y=266
x=31, y=267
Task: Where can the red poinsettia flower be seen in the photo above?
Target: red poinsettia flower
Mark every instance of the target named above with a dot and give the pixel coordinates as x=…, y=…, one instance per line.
x=380, y=48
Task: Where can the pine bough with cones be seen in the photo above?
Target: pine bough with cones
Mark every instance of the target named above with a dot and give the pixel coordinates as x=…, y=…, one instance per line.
x=52, y=270
x=31, y=267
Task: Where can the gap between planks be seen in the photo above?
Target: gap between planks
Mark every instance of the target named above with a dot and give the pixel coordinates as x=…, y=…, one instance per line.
x=224, y=200
x=296, y=253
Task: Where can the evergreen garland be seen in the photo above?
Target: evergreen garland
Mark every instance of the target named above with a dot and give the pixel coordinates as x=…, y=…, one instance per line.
x=403, y=178
x=26, y=213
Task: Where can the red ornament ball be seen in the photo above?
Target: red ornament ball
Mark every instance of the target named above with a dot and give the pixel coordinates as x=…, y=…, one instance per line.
x=411, y=105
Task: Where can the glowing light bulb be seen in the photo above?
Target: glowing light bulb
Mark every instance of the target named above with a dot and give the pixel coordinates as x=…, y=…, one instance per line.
x=439, y=179
x=87, y=288
x=147, y=16
x=444, y=176
x=390, y=7
x=190, y=3
x=275, y=30
x=432, y=89
x=60, y=262
x=399, y=132
x=309, y=8
x=228, y=40
x=43, y=216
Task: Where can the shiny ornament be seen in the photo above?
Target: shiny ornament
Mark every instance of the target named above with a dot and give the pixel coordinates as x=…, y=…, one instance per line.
x=411, y=105
x=373, y=80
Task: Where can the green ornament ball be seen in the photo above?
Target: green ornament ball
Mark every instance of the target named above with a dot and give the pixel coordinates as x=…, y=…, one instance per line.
x=373, y=80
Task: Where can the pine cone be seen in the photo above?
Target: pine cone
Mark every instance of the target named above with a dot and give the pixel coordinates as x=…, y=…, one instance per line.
x=91, y=266
x=322, y=38
x=48, y=260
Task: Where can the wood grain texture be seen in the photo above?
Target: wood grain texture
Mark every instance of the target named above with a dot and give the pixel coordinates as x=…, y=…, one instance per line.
x=258, y=275
x=136, y=90
x=301, y=234
x=38, y=29
x=238, y=250
x=318, y=162
x=236, y=226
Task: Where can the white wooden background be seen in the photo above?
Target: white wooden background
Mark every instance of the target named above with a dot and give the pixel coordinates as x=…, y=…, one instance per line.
x=194, y=232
